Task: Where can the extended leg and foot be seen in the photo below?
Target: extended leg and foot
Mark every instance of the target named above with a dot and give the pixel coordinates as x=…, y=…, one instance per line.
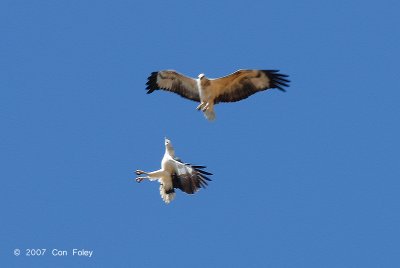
x=150, y=175
x=201, y=105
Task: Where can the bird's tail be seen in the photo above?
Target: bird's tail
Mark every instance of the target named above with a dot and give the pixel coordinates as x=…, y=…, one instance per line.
x=167, y=195
x=209, y=114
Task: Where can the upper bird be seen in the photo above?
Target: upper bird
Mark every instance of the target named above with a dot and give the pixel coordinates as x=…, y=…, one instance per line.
x=233, y=87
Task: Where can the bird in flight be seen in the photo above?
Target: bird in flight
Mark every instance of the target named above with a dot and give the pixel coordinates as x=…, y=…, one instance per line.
x=174, y=174
x=231, y=88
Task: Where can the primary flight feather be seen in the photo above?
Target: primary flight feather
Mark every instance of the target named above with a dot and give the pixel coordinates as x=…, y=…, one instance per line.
x=231, y=88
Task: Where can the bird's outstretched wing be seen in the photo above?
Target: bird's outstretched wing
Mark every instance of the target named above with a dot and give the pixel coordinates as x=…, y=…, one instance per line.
x=173, y=81
x=244, y=83
x=189, y=178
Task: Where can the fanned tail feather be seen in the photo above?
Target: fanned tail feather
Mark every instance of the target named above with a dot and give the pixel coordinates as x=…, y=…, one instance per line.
x=210, y=115
x=167, y=195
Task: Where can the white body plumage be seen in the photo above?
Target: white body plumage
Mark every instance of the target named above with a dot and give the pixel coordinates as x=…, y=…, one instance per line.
x=175, y=174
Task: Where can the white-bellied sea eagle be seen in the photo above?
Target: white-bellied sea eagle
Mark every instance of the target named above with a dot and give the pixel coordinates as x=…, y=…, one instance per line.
x=233, y=87
x=174, y=174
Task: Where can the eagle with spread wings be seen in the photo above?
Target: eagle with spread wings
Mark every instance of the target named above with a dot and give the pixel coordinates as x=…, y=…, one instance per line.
x=174, y=174
x=231, y=88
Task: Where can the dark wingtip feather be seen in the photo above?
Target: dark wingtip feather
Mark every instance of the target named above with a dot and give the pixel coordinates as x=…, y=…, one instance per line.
x=202, y=175
x=203, y=184
x=206, y=178
x=152, y=82
x=200, y=169
x=198, y=166
x=278, y=80
x=204, y=172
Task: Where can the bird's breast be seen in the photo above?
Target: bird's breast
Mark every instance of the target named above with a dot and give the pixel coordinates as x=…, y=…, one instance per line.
x=203, y=86
x=167, y=164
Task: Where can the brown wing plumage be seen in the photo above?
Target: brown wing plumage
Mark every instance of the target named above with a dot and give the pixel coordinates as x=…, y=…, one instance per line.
x=192, y=180
x=174, y=82
x=244, y=83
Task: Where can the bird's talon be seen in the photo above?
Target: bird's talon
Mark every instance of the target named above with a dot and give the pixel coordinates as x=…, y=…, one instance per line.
x=201, y=106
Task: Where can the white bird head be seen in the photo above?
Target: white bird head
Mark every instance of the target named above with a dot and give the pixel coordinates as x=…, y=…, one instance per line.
x=167, y=141
x=169, y=148
x=201, y=76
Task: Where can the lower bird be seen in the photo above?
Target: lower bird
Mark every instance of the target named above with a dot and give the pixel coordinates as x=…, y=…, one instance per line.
x=231, y=88
x=174, y=174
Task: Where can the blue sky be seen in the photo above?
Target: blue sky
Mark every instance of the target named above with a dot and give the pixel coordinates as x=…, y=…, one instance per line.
x=306, y=178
